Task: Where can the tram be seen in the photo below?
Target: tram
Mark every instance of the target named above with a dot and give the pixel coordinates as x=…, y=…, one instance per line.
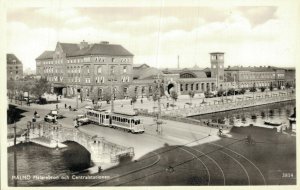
x=129, y=121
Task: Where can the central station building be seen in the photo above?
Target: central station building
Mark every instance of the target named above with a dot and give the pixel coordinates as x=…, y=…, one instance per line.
x=100, y=69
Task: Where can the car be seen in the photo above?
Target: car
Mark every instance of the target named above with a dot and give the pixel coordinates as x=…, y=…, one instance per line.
x=55, y=113
x=209, y=95
x=82, y=120
x=49, y=118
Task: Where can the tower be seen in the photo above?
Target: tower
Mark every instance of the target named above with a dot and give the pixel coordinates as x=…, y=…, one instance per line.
x=217, y=67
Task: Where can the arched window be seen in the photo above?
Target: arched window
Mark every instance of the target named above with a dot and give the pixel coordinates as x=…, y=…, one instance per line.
x=99, y=70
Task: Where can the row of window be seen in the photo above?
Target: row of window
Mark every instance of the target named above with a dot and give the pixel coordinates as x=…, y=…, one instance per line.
x=191, y=86
x=258, y=76
x=55, y=79
x=13, y=68
x=81, y=60
x=125, y=120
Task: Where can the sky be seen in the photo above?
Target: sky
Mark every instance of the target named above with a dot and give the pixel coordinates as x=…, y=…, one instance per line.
x=249, y=35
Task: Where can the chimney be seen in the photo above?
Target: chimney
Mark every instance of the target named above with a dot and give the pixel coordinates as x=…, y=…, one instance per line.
x=83, y=44
x=104, y=42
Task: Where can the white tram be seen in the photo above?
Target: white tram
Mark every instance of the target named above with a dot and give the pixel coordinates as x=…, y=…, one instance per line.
x=129, y=121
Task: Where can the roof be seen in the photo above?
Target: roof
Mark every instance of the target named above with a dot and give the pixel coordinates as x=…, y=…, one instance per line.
x=10, y=57
x=96, y=49
x=69, y=48
x=252, y=69
x=199, y=73
x=217, y=53
x=140, y=65
x=46, y=55
x=146, y=73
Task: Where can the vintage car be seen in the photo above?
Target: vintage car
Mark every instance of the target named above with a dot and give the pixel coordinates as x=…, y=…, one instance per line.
x=82, y=120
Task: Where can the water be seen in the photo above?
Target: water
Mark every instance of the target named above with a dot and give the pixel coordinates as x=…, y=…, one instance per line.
x=34, y=159
x=279, y=112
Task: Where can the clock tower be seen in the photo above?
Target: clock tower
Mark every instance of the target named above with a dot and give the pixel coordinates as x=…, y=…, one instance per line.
x=217, y=67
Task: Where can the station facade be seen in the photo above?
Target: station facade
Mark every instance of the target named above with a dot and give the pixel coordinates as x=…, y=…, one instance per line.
x=97, y=70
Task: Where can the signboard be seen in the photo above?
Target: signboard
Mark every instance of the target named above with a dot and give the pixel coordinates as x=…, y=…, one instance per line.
x=25, y=94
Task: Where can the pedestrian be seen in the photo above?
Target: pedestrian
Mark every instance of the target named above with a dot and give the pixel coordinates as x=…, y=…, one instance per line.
x=70, y=108
x=57, y=98
x=57, y=106
x=141, y=100
x=93, y=101
x=65, y=106
x=35, y=113
x=55, y=119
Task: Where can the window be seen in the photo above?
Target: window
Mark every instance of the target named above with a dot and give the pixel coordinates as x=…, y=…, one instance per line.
x=197, y=86
x=112, y=69
x=124, y=69
x=99, y=70
x=186, y=87
x=192, y=86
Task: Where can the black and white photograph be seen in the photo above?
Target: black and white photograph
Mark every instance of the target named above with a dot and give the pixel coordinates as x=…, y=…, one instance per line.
x=135, y=94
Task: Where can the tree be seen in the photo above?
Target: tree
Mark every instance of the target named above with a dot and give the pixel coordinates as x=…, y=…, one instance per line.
x=262, y=89
x=11, y=88
x=174, y=96
x=271, y=87
x=191, y=94
x=231, y=91
x=133, y=97
x=220, y=92
x=243, y=90
x=40, y=87
x=252, y=89
x=107, y=95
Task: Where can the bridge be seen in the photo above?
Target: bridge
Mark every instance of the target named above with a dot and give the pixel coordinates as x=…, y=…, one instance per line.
x=53, y=135
x=228, y=104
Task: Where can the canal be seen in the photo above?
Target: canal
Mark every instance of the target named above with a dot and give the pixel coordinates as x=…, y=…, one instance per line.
x=36, y=160
x=277, y=112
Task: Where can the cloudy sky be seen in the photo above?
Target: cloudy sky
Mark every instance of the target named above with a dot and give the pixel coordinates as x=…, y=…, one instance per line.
x=249, y=35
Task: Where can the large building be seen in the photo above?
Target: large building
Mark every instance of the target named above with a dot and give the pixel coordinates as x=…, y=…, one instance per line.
x=247, y=77
x=97, y=70
x=86, y=68
x=14, y=67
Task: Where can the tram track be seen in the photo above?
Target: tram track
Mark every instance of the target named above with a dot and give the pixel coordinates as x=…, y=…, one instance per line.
x=130, y=172
x=205, y=166
x=240, y=156
x=215, y=163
